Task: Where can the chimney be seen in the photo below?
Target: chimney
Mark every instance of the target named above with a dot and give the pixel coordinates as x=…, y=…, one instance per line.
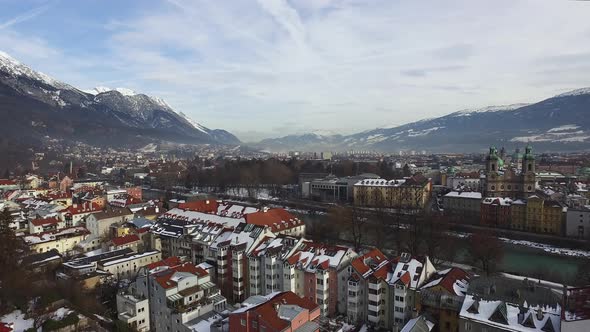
x=276, y=306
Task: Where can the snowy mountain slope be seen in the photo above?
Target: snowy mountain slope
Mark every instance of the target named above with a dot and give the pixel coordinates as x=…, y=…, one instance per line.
x=151, y=117
x=557, y=123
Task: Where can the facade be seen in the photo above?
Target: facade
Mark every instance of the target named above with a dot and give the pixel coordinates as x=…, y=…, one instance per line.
x=40, y=225
x=577, y=223
x=463, y=206
x=265, y=264
x=406, y=276
x=442, y=296
x=63, y=240
x=496, y=212
x=412, y=193
x=367, y=290
x=177, y=295
x=277, y=312
x=99, y=223
x=334, y=189
x=126, y=267
x=463, y=181
x=76, y=214
x=502, y=180
x=576, y=313
x=315, y=270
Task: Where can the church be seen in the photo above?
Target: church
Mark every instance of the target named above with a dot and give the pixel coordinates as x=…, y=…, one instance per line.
x=516, y=180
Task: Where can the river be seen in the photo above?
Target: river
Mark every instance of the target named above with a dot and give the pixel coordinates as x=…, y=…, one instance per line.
x=517, y=259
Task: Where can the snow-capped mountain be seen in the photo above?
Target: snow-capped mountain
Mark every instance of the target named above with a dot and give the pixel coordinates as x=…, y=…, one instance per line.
x=315, y=141
x=560, y=123
x=120, y=111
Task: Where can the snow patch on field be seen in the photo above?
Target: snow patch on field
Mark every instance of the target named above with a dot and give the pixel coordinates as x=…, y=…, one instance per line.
x=18, y=319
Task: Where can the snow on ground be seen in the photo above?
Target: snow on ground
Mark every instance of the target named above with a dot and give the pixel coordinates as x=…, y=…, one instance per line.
x=549, y=249
x=60, y=313
x=18, y=318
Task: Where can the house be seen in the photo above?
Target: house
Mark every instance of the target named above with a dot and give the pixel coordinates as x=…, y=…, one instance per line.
x=127, y=266
x=7, y=185
x=169, y=296
x=367, y=289
x=576, y=311
x=75, y=214
x=463, y=206
x=406, y=276
x=577, y=223
x=131, y=241
x=441, y=297
x=99, y=223
x=314, y=272
x=279, y=220
x=411, y=193
x=279, y=311
x=418, y=324
x=265, y=264
x=40, y=225
x=496, y=212
x=63, y=240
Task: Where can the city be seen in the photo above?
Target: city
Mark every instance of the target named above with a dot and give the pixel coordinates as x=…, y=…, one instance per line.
x=294, y=165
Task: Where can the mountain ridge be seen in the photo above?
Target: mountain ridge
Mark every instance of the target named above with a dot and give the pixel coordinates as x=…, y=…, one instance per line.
x=470, y=130
x=144, y=117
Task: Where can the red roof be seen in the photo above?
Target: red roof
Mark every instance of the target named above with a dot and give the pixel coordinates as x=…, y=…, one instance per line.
x=164, y=278
x=122, y=240
x=205, y=206
x=266, y=311
x=448, y=279
x=46, y=221
x=6, y=182
x=406, y=278
x=361, y=263
x=83, y=208
x=170, y=262
x=4, y=327
x=58, y=195
x=278, y=219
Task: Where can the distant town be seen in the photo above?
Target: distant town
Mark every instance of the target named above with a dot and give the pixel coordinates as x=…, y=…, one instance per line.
x=209, y=238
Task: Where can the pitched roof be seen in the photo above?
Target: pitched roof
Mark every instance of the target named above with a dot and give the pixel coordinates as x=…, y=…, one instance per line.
x=170, y=277
x=368, y=263
x=83, y=208
x=454, y=280
x=205, y=206
x=46, y=221
x=266, y=311
x=169, y=262
x=122, y=240
x=278, y=219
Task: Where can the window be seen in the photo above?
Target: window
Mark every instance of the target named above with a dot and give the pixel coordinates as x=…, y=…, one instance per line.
x=467, y=326
x=243, y=322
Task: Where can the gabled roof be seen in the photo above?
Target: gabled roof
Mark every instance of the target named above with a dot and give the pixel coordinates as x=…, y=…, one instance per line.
x=266, y=311
x=277, y=219
x=170, y=277
x=205, y=206
x=46, y=221
x=367, y=264
x=122, y=240
x=453, y=280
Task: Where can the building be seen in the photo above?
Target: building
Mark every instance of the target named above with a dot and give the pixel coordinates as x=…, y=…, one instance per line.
x=265, y=264
x=367, y=289
x=405, y=278
x=577, y=223
x=76, y=214
x=169, y=295
x=442, y=296
x=496, y=212
x=334, y=189
x=63, y=240
x=99, y=223
x=463, y=181
x=576, y=312
x=131, y=241
x=502, y=180
x=127, y=266
x=40, y=225
x=316, y=271
x=463, y=206
x=278, y=220
x=277, y=312
x=506, y=303
x=412, y=193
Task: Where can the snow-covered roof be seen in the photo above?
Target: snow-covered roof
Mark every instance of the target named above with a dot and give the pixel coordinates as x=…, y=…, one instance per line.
x=464, y=194
x=505, y=316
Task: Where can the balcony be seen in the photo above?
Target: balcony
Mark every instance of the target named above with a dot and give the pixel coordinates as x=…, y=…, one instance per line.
x=353, y=287
x=374, y=286
x=375, y=297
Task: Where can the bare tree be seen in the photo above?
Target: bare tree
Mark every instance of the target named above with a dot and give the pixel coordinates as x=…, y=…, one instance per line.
x=354, y=222
x=486, y=249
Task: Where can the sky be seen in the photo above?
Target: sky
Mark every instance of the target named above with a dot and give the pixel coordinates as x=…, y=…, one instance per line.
x=269, y=68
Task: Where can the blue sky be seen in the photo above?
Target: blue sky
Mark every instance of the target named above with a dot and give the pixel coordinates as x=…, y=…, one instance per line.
x=268, y=68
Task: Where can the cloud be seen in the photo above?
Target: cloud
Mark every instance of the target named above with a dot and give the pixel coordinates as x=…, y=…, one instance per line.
x=251, y=67
x=30, y=14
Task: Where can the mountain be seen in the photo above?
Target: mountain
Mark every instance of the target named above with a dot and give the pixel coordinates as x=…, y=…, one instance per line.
x=312, y=141
x=43, y=107
x=560, y=123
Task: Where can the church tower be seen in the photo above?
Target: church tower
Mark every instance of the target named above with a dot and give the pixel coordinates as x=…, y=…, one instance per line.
x=528, y=170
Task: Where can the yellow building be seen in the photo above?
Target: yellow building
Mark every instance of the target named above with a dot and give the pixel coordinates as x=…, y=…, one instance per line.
x=537, y=215
x=409, y=193
x=63, y=240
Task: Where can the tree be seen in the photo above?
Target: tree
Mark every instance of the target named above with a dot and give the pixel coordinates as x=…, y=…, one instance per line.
x=486, y=249
x=407, y=171
x=354, y=223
